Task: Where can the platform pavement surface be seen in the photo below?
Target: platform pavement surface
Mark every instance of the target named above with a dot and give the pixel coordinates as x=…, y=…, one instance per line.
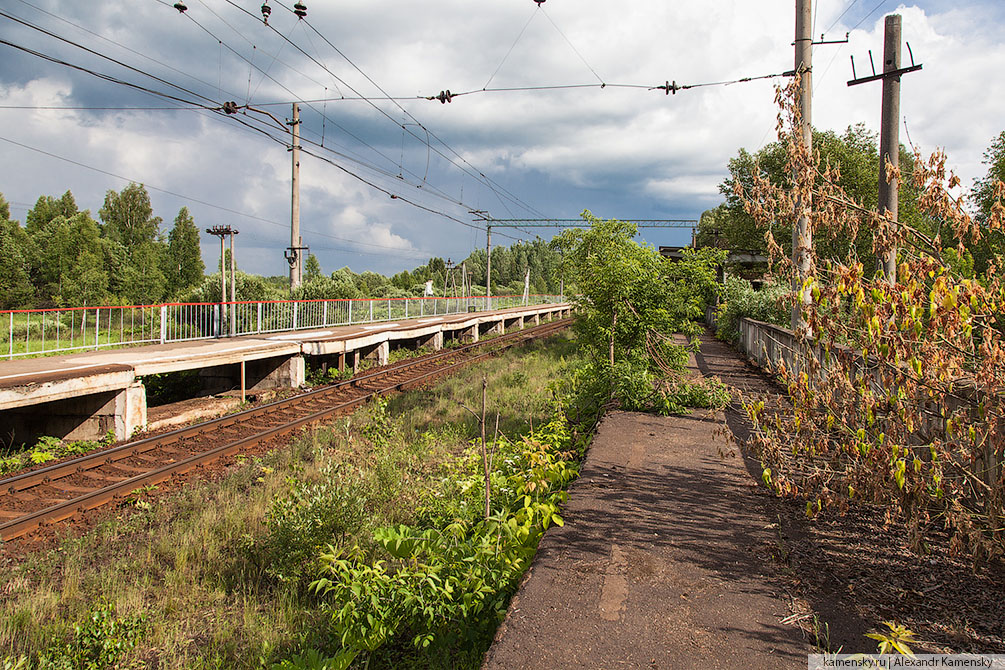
x=151, y=358
x=663, y=561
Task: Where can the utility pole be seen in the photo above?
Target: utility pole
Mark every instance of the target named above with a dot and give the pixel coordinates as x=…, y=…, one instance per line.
x=222, y=232
x=482, y=215
x=526, y=287
x=233, y=283
x=293, y=253
x=802, y=237
x=889, y=137
x=889, y=142
x=448, y=280
x=488, y=267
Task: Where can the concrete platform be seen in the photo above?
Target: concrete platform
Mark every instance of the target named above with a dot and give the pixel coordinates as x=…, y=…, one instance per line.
x=48, y=395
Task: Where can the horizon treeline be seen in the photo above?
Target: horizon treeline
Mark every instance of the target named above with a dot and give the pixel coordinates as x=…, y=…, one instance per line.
x=64, y=257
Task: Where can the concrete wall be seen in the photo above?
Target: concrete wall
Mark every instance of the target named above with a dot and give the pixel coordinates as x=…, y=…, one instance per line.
x=87, y=417
x=770, y=346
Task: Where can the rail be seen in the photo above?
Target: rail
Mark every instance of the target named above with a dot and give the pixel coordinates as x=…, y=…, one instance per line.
x=101, y=477
x=39, y=332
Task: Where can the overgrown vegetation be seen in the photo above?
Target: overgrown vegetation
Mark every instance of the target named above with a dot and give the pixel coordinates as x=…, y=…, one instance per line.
x=909, y=415
x=64, y=257
x=739, y=300
x=219, y=575
x=48, y=449
x=631, y=303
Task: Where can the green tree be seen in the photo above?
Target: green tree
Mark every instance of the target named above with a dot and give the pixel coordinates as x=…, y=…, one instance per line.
x=632, y=300
x=48, y=208
x=984, y=199
x=85, y=281
x=185, y=268
x=71, y=261
x=128, y=217
x=138, y=251
x=312, y=268
x=16, y=290
x=852, y=154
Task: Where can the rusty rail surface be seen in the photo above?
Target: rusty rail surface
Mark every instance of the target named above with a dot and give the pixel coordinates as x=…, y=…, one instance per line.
x=154, y=459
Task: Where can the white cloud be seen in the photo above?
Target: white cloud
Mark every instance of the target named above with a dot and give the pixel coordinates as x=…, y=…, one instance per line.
x=623, y=152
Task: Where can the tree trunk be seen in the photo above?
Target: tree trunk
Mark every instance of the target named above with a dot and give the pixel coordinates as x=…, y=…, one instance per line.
x=614, y=323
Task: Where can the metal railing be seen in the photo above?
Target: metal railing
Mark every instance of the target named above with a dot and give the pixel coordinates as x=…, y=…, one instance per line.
x=40, y=332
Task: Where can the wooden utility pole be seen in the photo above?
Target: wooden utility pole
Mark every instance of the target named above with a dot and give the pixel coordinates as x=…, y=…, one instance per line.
x=802, y=237
x=889, y=137
x=293, y=255
x=889, y=140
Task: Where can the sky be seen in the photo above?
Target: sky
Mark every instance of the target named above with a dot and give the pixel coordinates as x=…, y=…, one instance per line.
x=388, y=183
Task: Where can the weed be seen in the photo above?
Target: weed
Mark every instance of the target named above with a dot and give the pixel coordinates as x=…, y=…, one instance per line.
x=895, y=639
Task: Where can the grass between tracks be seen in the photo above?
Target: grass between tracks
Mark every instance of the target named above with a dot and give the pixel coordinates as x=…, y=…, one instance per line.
x=218, y=574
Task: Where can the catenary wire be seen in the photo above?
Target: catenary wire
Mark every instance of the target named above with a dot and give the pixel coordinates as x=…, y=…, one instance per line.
x=571, y=45
x=196, y=200
x=838, y=19
x=533, y=14
x=358, y=159
x=117, y=44
x=873, y=11
x=99, y=55
x=239, y=120
x=494, y=187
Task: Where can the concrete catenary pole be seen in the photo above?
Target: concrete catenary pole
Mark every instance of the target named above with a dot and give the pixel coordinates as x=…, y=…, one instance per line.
x=488, y=267
x=802, y=237
x=223, y=281
x=233, y=285
x=889, y=142
x=295, y=277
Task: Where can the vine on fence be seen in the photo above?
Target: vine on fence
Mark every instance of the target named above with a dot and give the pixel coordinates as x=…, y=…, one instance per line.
x=899, y=397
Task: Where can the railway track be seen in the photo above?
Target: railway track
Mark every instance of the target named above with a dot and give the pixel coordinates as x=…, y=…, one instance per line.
x=52, y=494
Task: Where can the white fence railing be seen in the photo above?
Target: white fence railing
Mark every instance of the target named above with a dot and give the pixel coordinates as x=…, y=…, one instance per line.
x=50, y=331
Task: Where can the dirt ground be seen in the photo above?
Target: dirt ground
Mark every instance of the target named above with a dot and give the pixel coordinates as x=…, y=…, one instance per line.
x=673, y=555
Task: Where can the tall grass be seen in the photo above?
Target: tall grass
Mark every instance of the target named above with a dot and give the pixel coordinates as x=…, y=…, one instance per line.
x=199, y=572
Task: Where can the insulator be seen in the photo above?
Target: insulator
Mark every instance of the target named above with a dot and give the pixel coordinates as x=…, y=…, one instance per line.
x=539, y=2
x=300, y=9
x=230, y=107
x=266, y=10
x=444, y=97
x=181, y=7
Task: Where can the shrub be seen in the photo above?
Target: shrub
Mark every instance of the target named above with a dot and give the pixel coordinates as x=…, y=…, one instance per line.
x=740, y=300
x=310, y=516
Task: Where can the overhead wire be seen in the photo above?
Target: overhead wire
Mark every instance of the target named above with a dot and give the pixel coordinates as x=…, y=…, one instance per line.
x=483, y=178
x=357, y=159
x=213, y=109
x=533, y=14
x=838, y=19
x=99, y=75
x=571, y=45
x=193, y=105
x=218, y=110
x=102, y=109
x=190, y=198
x=99, y=55
x=117, y=44
x=873, y=11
